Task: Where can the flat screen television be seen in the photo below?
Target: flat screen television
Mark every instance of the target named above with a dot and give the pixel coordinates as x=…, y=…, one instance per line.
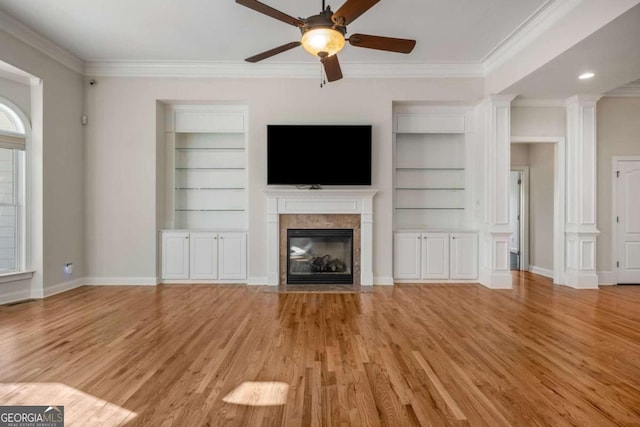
x=319, y=154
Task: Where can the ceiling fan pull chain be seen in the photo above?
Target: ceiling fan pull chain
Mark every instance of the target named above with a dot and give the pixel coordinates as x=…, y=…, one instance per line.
x=323, y=81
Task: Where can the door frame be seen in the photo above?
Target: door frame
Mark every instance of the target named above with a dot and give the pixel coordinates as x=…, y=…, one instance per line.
x=559, y=200
x=524, y=216
x=614, y=211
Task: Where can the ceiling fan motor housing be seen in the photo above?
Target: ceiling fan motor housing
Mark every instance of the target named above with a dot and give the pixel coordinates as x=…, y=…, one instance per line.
x=322, y=20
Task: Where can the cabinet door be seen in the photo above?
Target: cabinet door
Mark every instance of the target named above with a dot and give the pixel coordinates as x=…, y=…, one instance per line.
x=464, y=256
x=406, y=256
x=232, y=257
x=204, y=256
x=435, y=256
x=175, y=255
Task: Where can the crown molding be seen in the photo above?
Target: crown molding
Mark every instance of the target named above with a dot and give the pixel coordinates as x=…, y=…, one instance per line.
x=629, y=90
x=217, y=69
x=540, y=21
x=38, y=42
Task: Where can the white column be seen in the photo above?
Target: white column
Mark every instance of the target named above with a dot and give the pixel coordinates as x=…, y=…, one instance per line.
x=366, y=243
x=581, y=231
x=495, y=118
x=273, y=242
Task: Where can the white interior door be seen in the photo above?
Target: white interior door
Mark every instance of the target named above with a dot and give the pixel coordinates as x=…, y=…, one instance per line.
x=628, y=221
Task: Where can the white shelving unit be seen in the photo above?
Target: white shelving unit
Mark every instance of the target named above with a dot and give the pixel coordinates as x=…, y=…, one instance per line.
x=430, y=180
x=206, y=182
x=206, y=167
x=432, y=200
x=210, y=180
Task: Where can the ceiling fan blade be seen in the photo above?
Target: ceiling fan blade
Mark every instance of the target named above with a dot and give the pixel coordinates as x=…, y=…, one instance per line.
x=332, y=67
x=350, y=10
x=390, y=44
x=269, y=11
x=271, y=52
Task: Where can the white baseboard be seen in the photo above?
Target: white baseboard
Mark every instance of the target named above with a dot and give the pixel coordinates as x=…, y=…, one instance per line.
x=541, y=271
x=607, y=278
x=121, y=281
x=63, y=287
x=257, y=281
x=14, y=296
x=383, y=280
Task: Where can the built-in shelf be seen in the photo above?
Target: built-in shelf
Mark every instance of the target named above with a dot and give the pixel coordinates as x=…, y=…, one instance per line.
x=207, y=161
x=432, y=209
x=430, y=174
x=429, y=188
x=210, y=188
x=430, y=169
x=209, y=210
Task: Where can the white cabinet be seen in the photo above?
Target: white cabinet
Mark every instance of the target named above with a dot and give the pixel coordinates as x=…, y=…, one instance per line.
x=232, y=259
x=435, y=255
x=407, y=255
x=429, y=256
x=463, y=256
x=204, y=256
x=175, y=255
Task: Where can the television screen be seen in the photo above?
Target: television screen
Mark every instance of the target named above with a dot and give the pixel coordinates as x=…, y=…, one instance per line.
x=319, y=154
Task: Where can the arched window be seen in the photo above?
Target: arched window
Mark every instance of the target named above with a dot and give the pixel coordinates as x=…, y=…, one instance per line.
x=12, y=188
x=10, y=121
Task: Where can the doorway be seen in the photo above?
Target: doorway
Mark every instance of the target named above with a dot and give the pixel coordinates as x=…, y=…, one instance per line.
x=518, y=212
x=553, y=223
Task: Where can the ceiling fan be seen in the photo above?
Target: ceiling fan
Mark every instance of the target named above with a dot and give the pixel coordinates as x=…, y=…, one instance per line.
x=323, y=35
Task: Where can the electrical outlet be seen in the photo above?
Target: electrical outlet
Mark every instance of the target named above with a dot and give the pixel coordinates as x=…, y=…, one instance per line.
x=68, y=269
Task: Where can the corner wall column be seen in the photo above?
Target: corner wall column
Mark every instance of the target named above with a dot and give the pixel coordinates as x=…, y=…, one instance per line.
x=581, y=231
x=495, y=119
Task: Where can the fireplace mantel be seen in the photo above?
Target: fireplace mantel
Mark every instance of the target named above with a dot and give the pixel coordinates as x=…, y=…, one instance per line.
x=306, y=202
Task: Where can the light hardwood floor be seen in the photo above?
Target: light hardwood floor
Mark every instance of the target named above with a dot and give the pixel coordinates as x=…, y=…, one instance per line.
x=432, y=355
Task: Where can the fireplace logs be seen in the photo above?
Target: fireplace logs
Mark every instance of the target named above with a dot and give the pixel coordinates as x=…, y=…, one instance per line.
x=319, y=264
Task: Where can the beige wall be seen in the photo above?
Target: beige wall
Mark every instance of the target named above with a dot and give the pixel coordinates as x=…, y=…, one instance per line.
x=538, y=121
x=16, y=92
x=618, y=124
x=541, y=205
x=58, y=156
x=122, y=144
x=519, y=154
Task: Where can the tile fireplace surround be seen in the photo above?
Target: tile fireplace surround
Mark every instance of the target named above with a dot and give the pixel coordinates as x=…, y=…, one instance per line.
x=320, y=202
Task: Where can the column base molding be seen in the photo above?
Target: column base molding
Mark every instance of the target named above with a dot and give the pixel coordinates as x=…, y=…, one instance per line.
x=581, y=257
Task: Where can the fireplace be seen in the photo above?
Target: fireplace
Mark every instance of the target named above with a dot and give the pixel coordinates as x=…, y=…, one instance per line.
x=319, y=256
x=320, y=209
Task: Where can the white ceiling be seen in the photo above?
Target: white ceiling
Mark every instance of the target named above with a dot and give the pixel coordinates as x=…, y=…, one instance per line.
x=458, y=37
x=447, y=31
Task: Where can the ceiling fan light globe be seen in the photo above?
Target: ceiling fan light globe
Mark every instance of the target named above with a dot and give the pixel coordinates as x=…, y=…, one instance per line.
x=325, y=40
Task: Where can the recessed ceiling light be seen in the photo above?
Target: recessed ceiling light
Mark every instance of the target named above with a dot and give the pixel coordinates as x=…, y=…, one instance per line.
x=585, y=76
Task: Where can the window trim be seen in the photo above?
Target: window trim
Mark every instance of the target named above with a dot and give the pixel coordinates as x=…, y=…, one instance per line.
x=18, y=141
